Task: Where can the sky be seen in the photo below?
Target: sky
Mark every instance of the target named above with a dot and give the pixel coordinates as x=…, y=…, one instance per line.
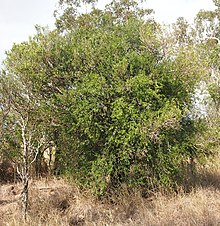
x=19, y=17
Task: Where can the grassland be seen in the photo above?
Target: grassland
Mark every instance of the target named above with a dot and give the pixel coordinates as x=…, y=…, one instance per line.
x=57, y=202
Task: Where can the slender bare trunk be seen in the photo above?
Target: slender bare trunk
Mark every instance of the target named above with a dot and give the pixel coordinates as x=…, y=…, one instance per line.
x=25, y=173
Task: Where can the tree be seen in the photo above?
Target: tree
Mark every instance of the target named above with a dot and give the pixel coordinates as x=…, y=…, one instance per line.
x=100, y=87
x=122, y=85
x=70, y=14
x=27, y=111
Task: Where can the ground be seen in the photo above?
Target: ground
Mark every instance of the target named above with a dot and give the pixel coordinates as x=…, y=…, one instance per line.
x=57, y=202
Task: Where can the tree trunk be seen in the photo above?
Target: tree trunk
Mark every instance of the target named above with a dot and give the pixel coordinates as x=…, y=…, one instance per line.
x=25, y=173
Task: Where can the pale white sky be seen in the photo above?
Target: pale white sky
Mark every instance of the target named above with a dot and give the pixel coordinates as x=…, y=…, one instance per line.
x=18, y=17
x=169, y=10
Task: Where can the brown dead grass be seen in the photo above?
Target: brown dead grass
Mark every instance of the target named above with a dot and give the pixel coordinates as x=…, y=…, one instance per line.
x=55, y=202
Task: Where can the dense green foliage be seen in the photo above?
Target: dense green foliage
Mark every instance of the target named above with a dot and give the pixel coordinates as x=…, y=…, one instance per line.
x=102, y=88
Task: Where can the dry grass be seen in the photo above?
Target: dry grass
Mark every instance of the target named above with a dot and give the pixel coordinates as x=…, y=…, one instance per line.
x=57, y=203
